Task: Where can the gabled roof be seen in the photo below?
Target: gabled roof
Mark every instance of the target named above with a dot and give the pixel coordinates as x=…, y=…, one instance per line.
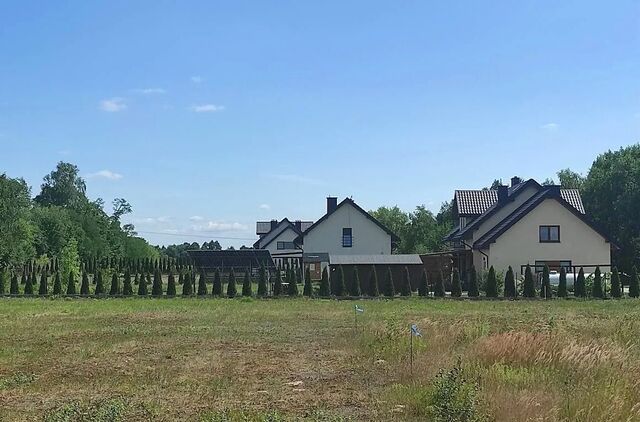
x=475, y=202
x=282, y=226
x=394, y=237
x=547, y=192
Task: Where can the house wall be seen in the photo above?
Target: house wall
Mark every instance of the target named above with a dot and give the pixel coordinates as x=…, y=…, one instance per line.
x=286, y=236
x=368, y=238
x=520, y=245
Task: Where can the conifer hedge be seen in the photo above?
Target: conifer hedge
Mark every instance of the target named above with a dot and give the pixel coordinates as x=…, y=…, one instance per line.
x=456, y=286
x=84, y=286
x=634, y=284
x=114, y=290
x=57, y=284
x=217, y=283
x=473, y=291
x=44, y=287
x=127, y=288
x=374, y=289
x=246, y=285
x=28, y=285
x=262, y=281
x=423, y=287
x=71, y=284
x=14, y=288
x=616, y=290
x=438, y=287
x=232, y=291
x=339, y=285
x=325, y=289
x=545, y=288
x=562, y=283
x=389, y=288
x=292, y=287
x=491, y=288
x=356, y=287
x=510, y=284
x=308, y=286
x=529, y=288
x=187, y=285
x=202, y=284
x=142, y=285
x=405, y=287
x=171, y=284
x=277, y=286
x=579, y=286
x=596, y=289
x=99, y=283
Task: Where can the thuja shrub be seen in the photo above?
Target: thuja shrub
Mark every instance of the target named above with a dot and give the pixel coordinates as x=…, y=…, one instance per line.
x=438, y=287
x=232, y=291
x=325, y=290
x=308, y=285
x=456, y=285
x=545, y=289
x=423, y=287
x=356, y=287
x=634, y=284
x=217, y=284
x=127, y=288
x=57, y=284
x=171, y=284
x=99, y=283
x=246, y=285
x=562, y=283
x=277, y=286
x=28, y=285
x=509, y=284
x=473, y=291
x=339, y=286
x=142, y=285
x=492, y=283
x=202, y=284
x=597, y=285
x=374, y=288
x=156, y=286
x=3, y=281
x=84, y=286
x=529, y=288
x=14, y=288
x=114, y=290
x=187, y=285
x=389, y=288
x=71, y=284
x=580, y=287
x=262, y=281
x=616, y=290
x=405, y=287
x=44, y=286
x=292, y=287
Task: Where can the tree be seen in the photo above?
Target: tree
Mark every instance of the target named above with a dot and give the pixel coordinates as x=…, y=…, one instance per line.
x=246, y=285
x=634, y=284
x=99, y=283
x=438, y=287
x=57, y=284
x=324, y=284
x=456, y=286
x=142, y=285
x=114, y=290
x=180, y=277
x=292, y=287
x=62, y=187
x=529, y=288
x=339, y=286
x=308, y=286
x=156, y=286
x=127, y=288
x=277, y=286
x=388, y=288
x=84, y=286
x=171, y=284
x=545, y=289
x=491, y=289
x=3, y=280
x=44, y=288
x=356, y=288
x=374, y=291
x=423, y=287
x=28, y=287
x=570, y=179
x=231, y=285
x=510, y=284
x=71, y=284
x=262, y=281
x=202, y=284
x=579, y=287
x=216, y=290
x=187, y=285
x=16, y=228
x=596, y=289
x=473, y=291
x=562, y=283
x=405, y=287
x=616, y=290
x=14, y=288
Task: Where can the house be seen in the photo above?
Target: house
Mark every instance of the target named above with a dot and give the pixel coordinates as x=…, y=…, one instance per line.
x=278, y=238
x=345, y=229
x=526, y=223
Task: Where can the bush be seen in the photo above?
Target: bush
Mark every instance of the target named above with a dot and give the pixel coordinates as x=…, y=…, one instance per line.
x=473, y=283
x=142, y=285
x=171, y=284
x=562, y=283
x=545, y=288
x=510, y=284
x=374, y=290
x=114, y=290
x=187, y=285
x=356, y=287
x=491, y=289
x=277, y=286
x=634, y=284
x=529, y=288
x=292, y=288
x=423, y=287
x=388, y=289
x=202, y=284
x=28, y=285
x=99, y=283
x=262, y=282
x=324, y=284
x=405, y=287
x=180, y=278
x=438, y=287
x=616, y=290
x=246, y=285
x=339, y=288
x=456, y=287
x=4, y=276
x=57, y=285
x=127, y=288
x=308, y=285
x=217, y=284
x=580, y=287
x=597, y=290
x=44, y=287
x=454, y=398
x=232, y=291
x=84, y=286
x=71, y=284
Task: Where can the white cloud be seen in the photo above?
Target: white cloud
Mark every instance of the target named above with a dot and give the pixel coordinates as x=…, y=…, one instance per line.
x=551, y=127
x=151, y=220
x=295, y=178
x=219, y=226
x=265, y=207
x=196, y=218
x=207, y=108
x=113, y=105
x=150, y=91
x=196, y=79
x=105, y=174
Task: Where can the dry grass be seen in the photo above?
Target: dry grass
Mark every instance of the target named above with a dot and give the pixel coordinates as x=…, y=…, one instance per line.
x=131, y=359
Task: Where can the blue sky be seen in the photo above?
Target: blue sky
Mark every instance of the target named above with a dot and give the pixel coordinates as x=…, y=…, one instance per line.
x=210, y=115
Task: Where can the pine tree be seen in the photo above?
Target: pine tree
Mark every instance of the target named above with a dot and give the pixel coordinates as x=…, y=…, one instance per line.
x=356, y=287
x=262, y=281
x=438, y=288
x=246, y=285
x=217, y=284
x=389, y=289
x=374, y=290
x=562, y=283
x=99, y=283
x=142, y=285
x=405, y=287
x=634, y=284
x=473, y=283
x=171, y=284
x=580, y=288
x=187, y=286
x=616, y=291
x=71, y=284
x=127, y=288
x=324, y=284
x=202, y=284
x=509, y=284
x=308, y=286
x=340, y=288
x=231, y=284
x=529, y=288
x=292, y=287
x=44, y=287
x=57, y=284
x=456, y=285
x=277, y=286
x=84, y=286
x=28, y=286
x=423, y=287
x=491, y=289
x=596, y=290
x=114, y=290
x=545, y=289
x=156, y=286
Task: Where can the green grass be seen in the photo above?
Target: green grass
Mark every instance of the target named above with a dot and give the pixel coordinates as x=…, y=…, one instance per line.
x=292, y=359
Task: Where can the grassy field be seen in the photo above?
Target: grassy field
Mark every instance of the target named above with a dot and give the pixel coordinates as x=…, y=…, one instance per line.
x=243, y=359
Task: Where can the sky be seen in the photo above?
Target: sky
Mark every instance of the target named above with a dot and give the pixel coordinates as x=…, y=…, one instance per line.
x=207, y=116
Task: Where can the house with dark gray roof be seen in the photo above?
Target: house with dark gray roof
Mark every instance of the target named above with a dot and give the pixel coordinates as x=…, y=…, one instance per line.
x=526, y=223
x=278, y=237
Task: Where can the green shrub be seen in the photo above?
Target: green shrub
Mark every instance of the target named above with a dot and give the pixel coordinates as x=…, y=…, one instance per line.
x=473, y=290
x=389, y=289
x=262, y=282
x=562, y=283
x=339, y=288
x=4, y=276
x=580, y=287
x=28, y=286
x=491, y=289
x=57, y=284
x=423, y=287
x=127, y=288
x=308, y=285
x=324, y=284
x=23, y=280
x=114, y=290
x=142, y=285
x=597, y=291
x=84, y=286
x=187, y=285
x=232, y=291
x=374, y=290
x=202, y=284
x=529, y=288
x=246, y=285
x=277, y=286
x=510, y=284
x=171, y=284
x=217, y=284
x=44, y=285
x=456, y=287
x=292, y=287
x=71, y=284
x=454, y=398
x=545, y=288
x=616, y=290
x=356, y=287
x=405, y=286
x=99, y=283
x=438, y=287
x=634, y=284
x=180, y=278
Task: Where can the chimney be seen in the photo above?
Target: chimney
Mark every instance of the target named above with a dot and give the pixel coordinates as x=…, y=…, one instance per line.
x=332, y=204
x=503, y=193
x=274, y=224
x=298, y=225
x=515, y=180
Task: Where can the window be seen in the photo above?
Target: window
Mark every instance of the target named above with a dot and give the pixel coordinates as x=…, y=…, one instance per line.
x=285, y=245
x=549, y=234
x=347, y=237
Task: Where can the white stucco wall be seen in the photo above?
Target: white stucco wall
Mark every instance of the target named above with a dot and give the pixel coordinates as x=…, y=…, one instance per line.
x=368, y=238
x=287, y=235
x=520, y=245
